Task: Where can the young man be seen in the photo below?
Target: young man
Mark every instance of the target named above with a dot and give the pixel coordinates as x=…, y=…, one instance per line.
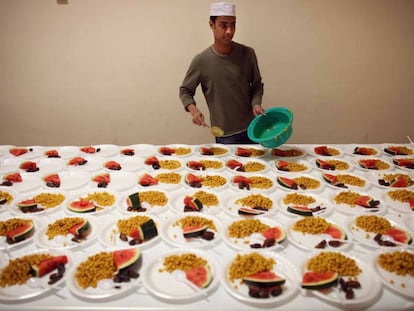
x=230, y=80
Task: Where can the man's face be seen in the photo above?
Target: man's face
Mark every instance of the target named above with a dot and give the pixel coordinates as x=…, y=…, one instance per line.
x=224, y=29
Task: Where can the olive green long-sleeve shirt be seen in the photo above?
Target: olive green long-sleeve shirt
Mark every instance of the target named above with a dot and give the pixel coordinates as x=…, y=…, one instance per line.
x=231, y=85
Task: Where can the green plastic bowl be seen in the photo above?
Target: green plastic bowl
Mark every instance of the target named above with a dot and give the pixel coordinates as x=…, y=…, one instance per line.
x=273, y=129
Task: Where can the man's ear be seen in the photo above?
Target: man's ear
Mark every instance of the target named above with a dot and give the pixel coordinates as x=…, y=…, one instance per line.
x=211, y=24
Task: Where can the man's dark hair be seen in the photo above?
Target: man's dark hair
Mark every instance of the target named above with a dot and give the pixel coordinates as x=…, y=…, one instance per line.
x=213, y=19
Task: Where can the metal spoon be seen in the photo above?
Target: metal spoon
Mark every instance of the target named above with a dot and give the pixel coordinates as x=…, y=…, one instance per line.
x=215, y=131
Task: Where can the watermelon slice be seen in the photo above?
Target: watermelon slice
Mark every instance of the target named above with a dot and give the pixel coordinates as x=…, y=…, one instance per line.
x=196, y=165
x=336, y=232
x=193, y=180
x=276, y=233
x=282, y=166
x=395, y=150
x=48, y=265
x=192, y=204
x=264, y=279
x=151, y=160
x=89, y=149
x=206, y=151
x=147, y=180
x=126, y=259
x=279, y=152
x=322, y=150
x=400, y=235
x=52, y=180
x=325, y=165
x=20, y=233
x=408, y=163
x=113, y=165
x=287, y=182
x=145, y=231
x=52, y=153
x=370, y=164
x=243, y=152
x=234, y=164
x=77, y=161
x=193, y=231
x=367, y=201
x=81, y=229
x=319, y=280
x=29, y=166
x=82, y=206
x=13, y=177
x=128, y=151
x=246, y=210
x=166, y=150
x=200, y=276
x=18, y=151
x=102, y=179
x=364, y=151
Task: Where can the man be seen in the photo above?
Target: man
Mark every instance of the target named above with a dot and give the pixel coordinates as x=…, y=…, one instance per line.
x=230, y=80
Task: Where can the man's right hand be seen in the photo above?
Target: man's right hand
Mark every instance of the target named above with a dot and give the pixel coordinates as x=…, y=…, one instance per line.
x=197, y=115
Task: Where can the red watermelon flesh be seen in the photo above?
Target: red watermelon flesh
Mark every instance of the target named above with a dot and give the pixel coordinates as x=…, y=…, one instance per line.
x=53, y=153
x=411, y=202
x=113, y=165
x=243, y=152
x=52, y=180
x=77, y=161
x=29, y=166
x=88, y=149
x=399, y=235
x=241, y=179
x=200, y=276
x=18, y=151
x=196, y=165
x=336, y=232
x=274, y=233
x=148, y=180
x=279, y=153
x=206, y=151
x=47, y=265
x=151, y=160
x=319, y=280
x=102, y=178
x=322, y=150
x=13, y=177
x=368, y=163
x=191, y=178
x=232, y=164
x=126, y=258
x=128, y=151
x=282, y=165
x=166, y=150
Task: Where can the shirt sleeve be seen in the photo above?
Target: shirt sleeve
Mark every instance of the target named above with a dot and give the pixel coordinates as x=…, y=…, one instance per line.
x=189, y=85
x=256, y=87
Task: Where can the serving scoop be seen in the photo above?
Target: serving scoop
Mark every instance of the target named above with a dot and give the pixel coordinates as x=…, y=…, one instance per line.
x=216, y=131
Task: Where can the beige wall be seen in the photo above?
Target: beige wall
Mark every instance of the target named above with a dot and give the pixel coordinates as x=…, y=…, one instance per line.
x=108, y=71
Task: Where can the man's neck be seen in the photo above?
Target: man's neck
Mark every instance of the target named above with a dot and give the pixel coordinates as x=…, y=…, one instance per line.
x=223, y=49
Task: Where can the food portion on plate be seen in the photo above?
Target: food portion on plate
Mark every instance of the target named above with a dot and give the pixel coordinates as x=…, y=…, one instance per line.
x=401, y=200
x=396, y=269
x=354, y=202
x=213, y=150
x=14, y=231
x=327, y=151
x=199, y=201
x=171, y=164
x=117, y=181
x=299, y=182
x=317, y=233
x=150, y=201
x=292, y=166
x=378, y=231
x=176, y=150
x=66, y=232
x=404, y=163
x=255, y=233
x=205, y=164
x=331, y=164
x=7, y=197
x=375, y=164
x=249, y=152
x=20, y=181
x=287, y=152
x=348, y=181
x=246, y=166
x=165, y=179
x=65, y=180
x=105, y=150
x=398, y=150
x=298, y=204
x=392, y=180
x=46, y=201
x=92, y=202
x=253, y=204
x=252, y=182
x=209, y=181
x=85, y=163
x=361, y=150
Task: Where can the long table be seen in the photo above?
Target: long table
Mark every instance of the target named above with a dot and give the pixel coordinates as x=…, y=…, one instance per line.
x=153, y=290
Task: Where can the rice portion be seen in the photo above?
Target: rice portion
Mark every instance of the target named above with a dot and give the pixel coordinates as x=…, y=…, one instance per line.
x=255, y=200
x=373, y=223
x=17, y=272
x=11, y=224
x=61, y=226
x=211, y=164
x=309, y=183
x=168, y=178
x=298, y=199
x=5, y=195
x=248, y=264
x=246, y=227
x=126, y=226
x=169, y=164
x=49, y=200
x=101, y=198
x=401, y=195
x=333, y=262
x=182, y=262
x=311, y=225
x=213, y=181
x=97, y=267
x=339, y=165
x=191, y=221
x=400, y=263
x=350, y=180
x=180, y=151
x=347, y=197
x=208, y=199
x=253, y=166
x=218, y=150
x=260, y=182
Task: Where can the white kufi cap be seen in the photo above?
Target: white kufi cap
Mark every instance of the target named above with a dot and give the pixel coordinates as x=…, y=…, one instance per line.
x=222, y=9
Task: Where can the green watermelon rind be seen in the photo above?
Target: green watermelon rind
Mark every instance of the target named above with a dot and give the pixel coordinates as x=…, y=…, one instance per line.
x=299, y=210
x=343, y=235
x=47, y=265
x=286, y=182
x=27, y=203
x=208, y=276
x=81, y=228
x=246, y=210
x=133, y=200
x=77, y=208
x=194, y=231
x=21, y=233
x=145, y=231
x=133, y=256
x=264, y=279
x=321, y=284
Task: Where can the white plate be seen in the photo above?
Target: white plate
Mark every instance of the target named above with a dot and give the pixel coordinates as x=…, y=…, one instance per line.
x=308, y=241
x=159, y=185
x=70, y=180
x=283, y=268
x=348, y=166
x=29, y=182
x=242, y=162
x=235, y=186
x=409, y=222
x=218, y=162
x=128, y=164
x=405, y=168
x=101, y=292
x=357, y=164
x=288, y=151
x=93, y=163
x=164, y=285
x=356, y=209
x=347, y=185
x=204, y=175
x=155, y=209
x=300, y=189
x=257, y=151
x=119, y=181
x=140, y=150
x=327, y=207
x=109, y=234
x=14, y=209
x=10, y=164
x=410, y=147
x=174, y=148
x=15, y=196
x=403, y=207
x=98, y=211
x=367, y=238
x=178, y=201
x=4, y=149
x=307, y=167
x=367, y=294
x=369, y=150
x=51, y=165
x=172, y=233
x=67, y=152
x=4, y=246
x=403, y=285
x=338, y=152
x=32, y=152
x=232, y=208
x=177, y=161
x=374, y=178
x=62, y=241
x=199, y=150
x=106, y=150
x=25, y=291
x=245, y=242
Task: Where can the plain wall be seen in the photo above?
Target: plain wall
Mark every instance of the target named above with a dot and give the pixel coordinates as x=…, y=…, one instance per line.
x=108, y=71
